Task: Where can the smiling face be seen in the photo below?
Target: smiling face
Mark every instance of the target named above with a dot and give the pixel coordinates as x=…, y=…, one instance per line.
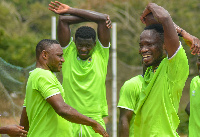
x=55, y=58
x=84, y=47
x=151, y=48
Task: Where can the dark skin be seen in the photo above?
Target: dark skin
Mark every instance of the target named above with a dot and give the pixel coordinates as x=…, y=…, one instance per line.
x=85, y=47
x=192, y=41
x=187, y=109
x=151, y=48
x=13, y=131
x=125, y=117
x=124, y=122
x=77, y=16
x=52, y=58
x=171, y=40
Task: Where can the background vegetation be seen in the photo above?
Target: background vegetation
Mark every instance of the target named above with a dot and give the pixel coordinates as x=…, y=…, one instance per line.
x=24, y=23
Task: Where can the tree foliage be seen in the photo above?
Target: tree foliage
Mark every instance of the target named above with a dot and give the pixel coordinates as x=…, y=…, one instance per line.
x=24, y=23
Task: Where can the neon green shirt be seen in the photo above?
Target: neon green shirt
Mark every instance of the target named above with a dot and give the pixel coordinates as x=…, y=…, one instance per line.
x=43, y=120
x=160, y=96
x=194, y=120
x=129, y=97
x=84, y=80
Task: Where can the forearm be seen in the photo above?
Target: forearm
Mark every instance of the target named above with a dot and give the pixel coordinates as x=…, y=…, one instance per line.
x=63, y=29
x=180, y=31
x=71, y=19
x=183, y=33
x=124, y=128
x=24, y=119
x=2, y=130
x=74, y=116
x=124, y=122
x=88, y=15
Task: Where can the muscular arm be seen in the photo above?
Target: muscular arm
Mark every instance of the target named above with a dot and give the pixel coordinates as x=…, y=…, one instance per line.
x=68, y=112
x=171, y=39
x=124, y=122
x=24, y=119
x=63, y=29
x=103, y=31
x=72, y=115
x=192, y=41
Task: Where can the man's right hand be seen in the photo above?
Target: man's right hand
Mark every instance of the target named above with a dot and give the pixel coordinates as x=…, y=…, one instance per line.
x=58, y=8
x=99, y=129
x=15, y=131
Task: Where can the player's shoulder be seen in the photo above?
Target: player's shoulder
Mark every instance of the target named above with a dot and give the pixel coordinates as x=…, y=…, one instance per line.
x=38, y=72
x=134, y=80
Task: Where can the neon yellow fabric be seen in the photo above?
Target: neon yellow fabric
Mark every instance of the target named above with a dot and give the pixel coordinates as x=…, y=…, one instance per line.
x=84, y=80
x=129, y=97
x=87, y=131
x=194, y=120
x=160, y=96
x=43, y=120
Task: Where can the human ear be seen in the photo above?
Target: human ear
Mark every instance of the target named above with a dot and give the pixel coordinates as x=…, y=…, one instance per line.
x=44, y=54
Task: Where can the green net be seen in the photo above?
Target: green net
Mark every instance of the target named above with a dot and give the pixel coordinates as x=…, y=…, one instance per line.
x=12, y=91
x=13, y=77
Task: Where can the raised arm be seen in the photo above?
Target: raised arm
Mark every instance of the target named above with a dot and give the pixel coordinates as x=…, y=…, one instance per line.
x=63, y=29
x=171, y=39
x=102, y=20
x=72, y=115
x=124, y=122
x=192, y=41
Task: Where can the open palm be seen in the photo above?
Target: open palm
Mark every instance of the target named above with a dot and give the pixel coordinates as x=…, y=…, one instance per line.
x=58, y=7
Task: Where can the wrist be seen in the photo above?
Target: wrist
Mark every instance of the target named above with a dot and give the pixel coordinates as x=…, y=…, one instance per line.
x=3, y=130
x=180, y=34
x=93, y=123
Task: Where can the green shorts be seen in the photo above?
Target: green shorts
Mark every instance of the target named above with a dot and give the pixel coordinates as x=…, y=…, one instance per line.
x=87, y=131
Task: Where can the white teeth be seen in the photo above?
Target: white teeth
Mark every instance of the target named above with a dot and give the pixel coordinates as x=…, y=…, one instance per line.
x=145, y=56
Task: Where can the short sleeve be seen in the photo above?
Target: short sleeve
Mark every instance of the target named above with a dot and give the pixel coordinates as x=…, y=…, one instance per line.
x=178, y=65
x=47, y=86
x=103, y=51
x=129, y=94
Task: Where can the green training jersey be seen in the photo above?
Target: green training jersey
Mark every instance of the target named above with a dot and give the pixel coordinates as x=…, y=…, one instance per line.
x=43, y=120
x=84, y=80
x=194, y=120
x=129, y=97
x=157, y=112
